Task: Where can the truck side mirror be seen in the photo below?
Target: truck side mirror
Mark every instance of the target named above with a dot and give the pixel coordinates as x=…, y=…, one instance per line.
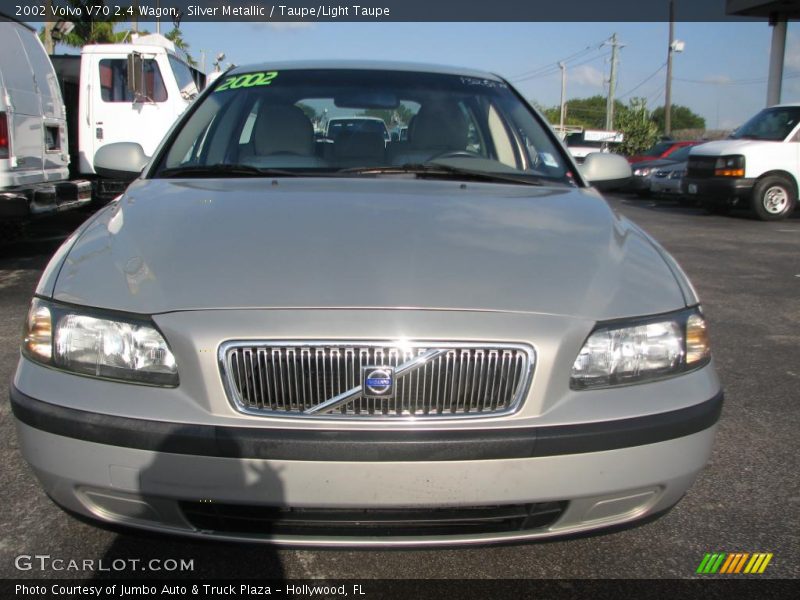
x=123, y=160
x=136, y=75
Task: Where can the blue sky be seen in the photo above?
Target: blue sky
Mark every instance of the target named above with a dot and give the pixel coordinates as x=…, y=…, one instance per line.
x=717, y=54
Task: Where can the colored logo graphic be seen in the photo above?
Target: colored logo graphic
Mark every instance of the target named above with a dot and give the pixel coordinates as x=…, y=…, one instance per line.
x=731, y=563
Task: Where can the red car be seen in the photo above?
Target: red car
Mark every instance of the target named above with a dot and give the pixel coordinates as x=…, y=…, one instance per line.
x=660, y=150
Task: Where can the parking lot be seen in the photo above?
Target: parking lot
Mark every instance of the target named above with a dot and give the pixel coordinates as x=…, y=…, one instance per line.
x=747, y=499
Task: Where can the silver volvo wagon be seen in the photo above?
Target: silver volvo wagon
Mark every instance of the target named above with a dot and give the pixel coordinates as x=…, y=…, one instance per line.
x=288, y=335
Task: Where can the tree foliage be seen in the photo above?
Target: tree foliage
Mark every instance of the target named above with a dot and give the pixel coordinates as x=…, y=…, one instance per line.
x=94, y=29
x=398, y=116
x=681, y=117
x=176, y=37
x=638, y=128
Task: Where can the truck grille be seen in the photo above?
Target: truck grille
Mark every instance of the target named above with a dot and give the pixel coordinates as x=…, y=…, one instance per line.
x=430, y=379
x=266, y=520
x=701, y=166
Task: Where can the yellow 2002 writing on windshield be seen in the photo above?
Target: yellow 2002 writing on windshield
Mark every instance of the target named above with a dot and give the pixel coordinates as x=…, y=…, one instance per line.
x=247, y=80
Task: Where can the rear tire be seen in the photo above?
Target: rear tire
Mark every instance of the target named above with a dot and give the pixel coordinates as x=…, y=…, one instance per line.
x=774, y=198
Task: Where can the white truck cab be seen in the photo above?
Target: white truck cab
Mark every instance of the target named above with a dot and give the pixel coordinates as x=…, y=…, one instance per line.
x=130, y=92
x=757, y=167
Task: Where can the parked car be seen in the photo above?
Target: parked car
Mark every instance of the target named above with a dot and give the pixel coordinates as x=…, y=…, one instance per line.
x=758, y=167
x=663, y=149
x=34, y=173
x=356, y=124
x=437, y=346
x=644, y=171
x=666, y=181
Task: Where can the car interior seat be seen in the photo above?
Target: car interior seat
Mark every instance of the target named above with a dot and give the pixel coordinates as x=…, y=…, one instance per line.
x=283, y=137
x=436, y=129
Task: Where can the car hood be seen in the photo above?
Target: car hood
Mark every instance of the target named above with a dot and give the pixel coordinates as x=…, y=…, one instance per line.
x=723, y=147
x=390, y=242
x=653, y=164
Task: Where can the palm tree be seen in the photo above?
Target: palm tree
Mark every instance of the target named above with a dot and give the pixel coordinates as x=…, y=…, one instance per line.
x=91, y=29
x=176, y=37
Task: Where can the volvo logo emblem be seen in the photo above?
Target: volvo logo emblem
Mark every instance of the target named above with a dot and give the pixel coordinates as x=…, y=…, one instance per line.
x=377, y=382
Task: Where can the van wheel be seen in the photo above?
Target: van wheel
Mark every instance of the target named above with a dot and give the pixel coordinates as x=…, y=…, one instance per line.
x=774, y=198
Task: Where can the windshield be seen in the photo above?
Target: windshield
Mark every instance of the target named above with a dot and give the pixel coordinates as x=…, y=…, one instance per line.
x=328, y=121
x=183, y=75
x=680, y=154
x=772, y=124
x=658, y=149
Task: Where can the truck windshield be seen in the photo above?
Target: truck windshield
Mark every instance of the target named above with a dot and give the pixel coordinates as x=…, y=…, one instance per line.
x=335, y=121
x=772, y=124
x=183, y=75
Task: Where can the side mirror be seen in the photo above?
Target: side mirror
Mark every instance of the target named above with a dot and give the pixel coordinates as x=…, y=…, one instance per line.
x=606, y=171
x=136, y=75
x=123, y=160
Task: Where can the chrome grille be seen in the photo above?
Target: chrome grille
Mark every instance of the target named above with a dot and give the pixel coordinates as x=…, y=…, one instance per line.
x=431, y=379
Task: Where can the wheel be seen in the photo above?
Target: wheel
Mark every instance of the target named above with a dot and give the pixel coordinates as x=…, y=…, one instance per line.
x=774, y=198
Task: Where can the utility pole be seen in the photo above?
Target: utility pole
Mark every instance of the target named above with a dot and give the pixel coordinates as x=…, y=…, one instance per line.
x=563, y=68
x=668, y=87
x=49, y=43
x=612, y=83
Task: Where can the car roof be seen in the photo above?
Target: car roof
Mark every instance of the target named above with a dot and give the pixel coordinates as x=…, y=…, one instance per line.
x=367, y=65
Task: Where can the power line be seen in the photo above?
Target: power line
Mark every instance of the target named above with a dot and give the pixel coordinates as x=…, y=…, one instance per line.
x=550, y=68
x=645, y=80
x=655, y=96
x=793, y=75
x=557, y=69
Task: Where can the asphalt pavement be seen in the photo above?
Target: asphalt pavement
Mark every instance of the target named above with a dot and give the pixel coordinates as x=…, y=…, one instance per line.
x=746, y=500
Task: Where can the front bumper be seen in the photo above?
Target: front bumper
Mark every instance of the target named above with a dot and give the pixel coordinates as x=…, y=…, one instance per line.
x=662, y=186
x=717, y=189
x=146, y=473
x=637, y=184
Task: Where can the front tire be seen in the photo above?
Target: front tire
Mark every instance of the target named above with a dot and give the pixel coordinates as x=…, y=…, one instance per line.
x=774, y=198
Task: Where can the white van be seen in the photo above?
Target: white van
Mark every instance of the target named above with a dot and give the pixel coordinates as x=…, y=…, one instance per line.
x=758, y=167
x=34, y=154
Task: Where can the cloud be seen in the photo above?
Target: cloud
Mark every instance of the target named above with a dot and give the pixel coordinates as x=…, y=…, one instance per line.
x=586, y=75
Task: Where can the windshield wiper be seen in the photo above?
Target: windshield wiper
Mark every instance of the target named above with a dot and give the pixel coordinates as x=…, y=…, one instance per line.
x=224, y=170
x=440, y=170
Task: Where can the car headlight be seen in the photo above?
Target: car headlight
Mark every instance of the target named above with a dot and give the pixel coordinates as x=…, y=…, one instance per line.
x=729, y=166
x=89, y=342
x=641, y=350
x=642, y=172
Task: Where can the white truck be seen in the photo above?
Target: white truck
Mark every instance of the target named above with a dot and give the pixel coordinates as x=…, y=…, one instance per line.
x=757, y=167
x=582, y=142
x=34, y=174
x=130, y=92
